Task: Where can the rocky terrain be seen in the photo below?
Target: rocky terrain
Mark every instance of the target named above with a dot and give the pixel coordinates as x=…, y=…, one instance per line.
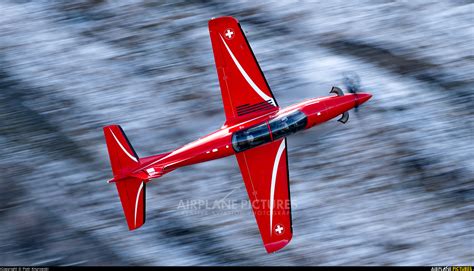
x=394, y=186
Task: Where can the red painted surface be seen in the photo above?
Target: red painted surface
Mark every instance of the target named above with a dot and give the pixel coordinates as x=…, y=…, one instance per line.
x=235, y=89
x=271, y=209
x=248, y=102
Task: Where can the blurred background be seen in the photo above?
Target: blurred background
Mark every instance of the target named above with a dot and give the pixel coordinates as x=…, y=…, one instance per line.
x=394, y=186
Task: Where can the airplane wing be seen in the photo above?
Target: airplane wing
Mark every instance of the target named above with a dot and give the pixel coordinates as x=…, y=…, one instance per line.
x=265, y=173
x=245, y=92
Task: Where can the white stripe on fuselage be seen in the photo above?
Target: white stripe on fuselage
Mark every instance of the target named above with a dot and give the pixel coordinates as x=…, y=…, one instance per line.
x=247, y=77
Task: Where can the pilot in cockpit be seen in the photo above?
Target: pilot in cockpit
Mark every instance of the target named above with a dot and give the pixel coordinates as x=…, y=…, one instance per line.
x=284, y=124
x=250, y=137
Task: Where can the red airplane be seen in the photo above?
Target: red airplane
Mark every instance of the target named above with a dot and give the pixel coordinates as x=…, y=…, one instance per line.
x=255, y=132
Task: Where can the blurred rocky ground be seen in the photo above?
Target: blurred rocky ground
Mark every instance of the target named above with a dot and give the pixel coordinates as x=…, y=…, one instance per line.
x=394, y=186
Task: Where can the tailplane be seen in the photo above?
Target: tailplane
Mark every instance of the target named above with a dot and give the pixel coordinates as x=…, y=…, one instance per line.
x=132, y=195
x=124, y=160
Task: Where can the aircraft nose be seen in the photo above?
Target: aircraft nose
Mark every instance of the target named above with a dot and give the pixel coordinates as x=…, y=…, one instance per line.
x=363, y=97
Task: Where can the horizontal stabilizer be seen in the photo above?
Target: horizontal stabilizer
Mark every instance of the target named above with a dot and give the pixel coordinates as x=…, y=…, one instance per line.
x=132, y=196
x=123, y=158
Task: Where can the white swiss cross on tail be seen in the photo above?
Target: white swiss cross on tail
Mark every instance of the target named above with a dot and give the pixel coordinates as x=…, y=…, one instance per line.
x=229, y=33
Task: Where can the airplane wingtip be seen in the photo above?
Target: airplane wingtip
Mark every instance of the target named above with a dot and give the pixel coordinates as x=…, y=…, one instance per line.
x=275, y=246
x=215, y=20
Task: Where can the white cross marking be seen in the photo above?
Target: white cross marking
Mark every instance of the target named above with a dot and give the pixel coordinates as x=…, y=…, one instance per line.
x=229, y=33
x=279, y=229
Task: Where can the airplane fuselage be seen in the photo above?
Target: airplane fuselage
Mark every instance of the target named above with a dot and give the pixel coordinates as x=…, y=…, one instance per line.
x=233, y=138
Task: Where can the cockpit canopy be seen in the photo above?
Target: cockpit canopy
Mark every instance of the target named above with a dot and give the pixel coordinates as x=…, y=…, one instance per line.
x=260, y=134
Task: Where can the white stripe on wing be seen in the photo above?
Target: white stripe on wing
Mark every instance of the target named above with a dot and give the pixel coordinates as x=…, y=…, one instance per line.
x=264, y=96
x=274, y=176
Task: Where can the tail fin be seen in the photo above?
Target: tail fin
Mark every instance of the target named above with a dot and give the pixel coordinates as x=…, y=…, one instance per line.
x=123, y=160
